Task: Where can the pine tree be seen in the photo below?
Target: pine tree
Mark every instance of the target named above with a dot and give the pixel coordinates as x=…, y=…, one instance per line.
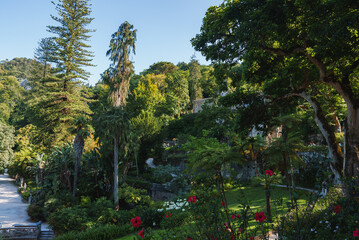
x=60, y=97
x=71, y=52
x=44, y=52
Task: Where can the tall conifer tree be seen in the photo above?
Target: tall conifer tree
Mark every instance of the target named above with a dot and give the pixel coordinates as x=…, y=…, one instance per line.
x=72, y=52
x=61, y=98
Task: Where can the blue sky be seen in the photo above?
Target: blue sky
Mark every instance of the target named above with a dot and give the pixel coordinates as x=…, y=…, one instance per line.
x=164, y=29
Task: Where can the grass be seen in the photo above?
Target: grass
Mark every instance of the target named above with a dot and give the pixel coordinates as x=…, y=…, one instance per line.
x=256, y=195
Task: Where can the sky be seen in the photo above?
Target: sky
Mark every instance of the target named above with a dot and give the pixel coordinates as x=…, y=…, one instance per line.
x=164, y=29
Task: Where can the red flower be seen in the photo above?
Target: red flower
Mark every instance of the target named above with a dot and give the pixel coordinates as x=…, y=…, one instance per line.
x=239, y=229
x=136, y=222
x=223, y=204
x=192, y=199
x=356, y=233
x=141, y=233
x=337, y=209
x=269, y=172
x=233, y=216
x=238, y=216
x=168, y=215
x=188, y=238
x=260, y=217
x=251, y=238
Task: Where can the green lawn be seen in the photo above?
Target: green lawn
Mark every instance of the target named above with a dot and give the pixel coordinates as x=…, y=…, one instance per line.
x=257, y=197
x=258, y=202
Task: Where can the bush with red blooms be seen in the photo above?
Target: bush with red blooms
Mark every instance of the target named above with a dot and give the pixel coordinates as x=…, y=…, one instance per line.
x=337, y=209
x=269, y=172
x=136, y=222
x=260, y=217
x=141, y=234
x=192, y=199
x=332, y=217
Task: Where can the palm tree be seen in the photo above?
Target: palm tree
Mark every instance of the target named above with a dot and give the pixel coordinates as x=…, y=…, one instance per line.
x=81, y=130
x=118, y=78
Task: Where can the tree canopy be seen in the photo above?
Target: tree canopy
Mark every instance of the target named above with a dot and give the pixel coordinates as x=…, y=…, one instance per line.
x=306, y=49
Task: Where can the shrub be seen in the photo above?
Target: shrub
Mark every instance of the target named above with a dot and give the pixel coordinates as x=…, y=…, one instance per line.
x=87, y=215
x=133, y=196
x=138, y=183
x=162, y=173
x=25, y=195
x=107, y=232
x=151, y=217
x=36, y=212
x=68, y=219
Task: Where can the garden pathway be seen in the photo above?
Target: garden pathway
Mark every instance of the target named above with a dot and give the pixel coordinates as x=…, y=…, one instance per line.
x=12, y=206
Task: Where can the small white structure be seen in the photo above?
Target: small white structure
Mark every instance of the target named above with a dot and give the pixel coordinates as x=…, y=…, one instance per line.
x=150, y=163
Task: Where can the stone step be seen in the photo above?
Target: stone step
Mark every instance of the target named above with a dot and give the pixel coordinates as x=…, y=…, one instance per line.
x=45, y=235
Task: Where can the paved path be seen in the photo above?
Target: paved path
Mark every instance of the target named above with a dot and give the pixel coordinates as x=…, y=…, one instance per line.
x=12, y=207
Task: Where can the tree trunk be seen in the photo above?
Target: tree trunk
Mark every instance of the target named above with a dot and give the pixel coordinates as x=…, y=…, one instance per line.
x=269, y=208
x=78, y=149
x=136, y=159
x=115, y=178
x=45, y=68
x=351, y=151
x=335, y=151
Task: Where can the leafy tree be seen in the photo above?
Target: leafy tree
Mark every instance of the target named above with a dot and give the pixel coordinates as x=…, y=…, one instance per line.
x=296, y=49
x=177, y=91
x=195, y=90
x=6, y=144
x=208, y=82
x=147, y=95
x=118, y=77
x=10, y=95
x=161, y=68
x=21, y=68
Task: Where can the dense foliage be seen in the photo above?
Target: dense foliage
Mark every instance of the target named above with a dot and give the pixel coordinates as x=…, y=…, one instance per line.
x=279, y=104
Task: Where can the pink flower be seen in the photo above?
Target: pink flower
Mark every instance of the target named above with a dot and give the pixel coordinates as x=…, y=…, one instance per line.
x=136, y=222
x=269, y=172
x=239, y=230
x=260, y=217
x=356, y=233
x=192, y=199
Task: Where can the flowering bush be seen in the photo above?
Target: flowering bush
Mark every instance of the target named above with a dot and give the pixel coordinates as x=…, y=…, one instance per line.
x=136, y=222
x=269, y=172
x=334, y=217
x=192, y=199
x=260, y=217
